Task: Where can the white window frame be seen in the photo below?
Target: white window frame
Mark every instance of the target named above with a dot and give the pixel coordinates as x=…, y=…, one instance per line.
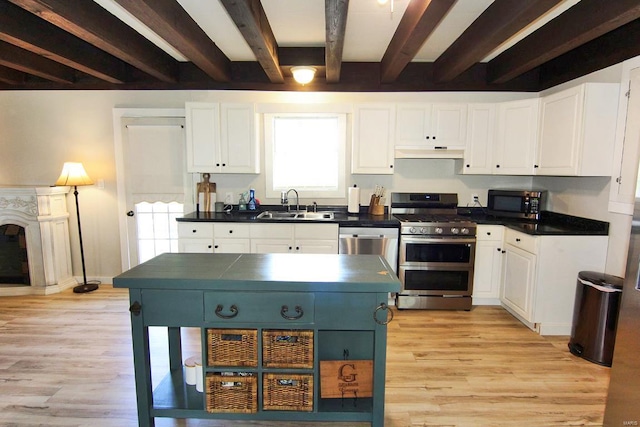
x=342, y=143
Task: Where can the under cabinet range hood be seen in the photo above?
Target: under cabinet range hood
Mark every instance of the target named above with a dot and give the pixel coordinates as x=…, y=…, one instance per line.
x=428, y=153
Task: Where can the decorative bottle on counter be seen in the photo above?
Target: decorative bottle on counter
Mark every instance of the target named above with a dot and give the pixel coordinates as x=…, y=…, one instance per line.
x=251, y=205
x=242, y=203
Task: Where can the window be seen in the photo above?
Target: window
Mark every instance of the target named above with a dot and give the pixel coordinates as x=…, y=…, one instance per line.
x=157, y=228
x=305, y=151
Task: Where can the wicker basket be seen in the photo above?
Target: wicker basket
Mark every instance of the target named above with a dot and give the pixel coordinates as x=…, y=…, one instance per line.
x=287, y=349
x=235, y=394
x=287, y=392
x=232, y=347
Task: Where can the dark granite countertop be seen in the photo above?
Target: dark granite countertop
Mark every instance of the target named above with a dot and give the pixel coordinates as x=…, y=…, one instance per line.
x=550, y=223
x=341, y=216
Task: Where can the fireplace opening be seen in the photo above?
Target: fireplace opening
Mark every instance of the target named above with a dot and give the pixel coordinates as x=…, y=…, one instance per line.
x=14, y=263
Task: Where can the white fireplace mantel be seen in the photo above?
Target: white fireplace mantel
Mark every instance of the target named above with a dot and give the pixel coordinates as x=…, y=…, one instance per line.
x=42, y=211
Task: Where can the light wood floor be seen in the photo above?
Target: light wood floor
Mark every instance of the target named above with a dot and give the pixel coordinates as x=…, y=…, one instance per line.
x=66, y=360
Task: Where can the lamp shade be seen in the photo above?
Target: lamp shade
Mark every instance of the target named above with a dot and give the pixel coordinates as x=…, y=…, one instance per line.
x=303, y=75
x=73, y=174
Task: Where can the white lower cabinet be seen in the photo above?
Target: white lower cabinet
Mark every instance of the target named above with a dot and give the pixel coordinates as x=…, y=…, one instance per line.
x=231, y=238
x=540, y=274
x=258, y=238
x=195, y=237
x=487, y=275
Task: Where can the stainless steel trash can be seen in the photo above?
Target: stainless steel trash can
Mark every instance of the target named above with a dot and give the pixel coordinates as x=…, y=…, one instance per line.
x=595, y=316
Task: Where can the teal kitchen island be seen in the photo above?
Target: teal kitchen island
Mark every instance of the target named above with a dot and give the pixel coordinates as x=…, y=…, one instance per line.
x=272, y=327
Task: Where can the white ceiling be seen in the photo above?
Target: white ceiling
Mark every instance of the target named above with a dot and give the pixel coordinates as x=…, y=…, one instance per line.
x=301, y=23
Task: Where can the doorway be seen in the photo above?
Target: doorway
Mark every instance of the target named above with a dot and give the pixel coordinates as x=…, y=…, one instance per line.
x=152, y=180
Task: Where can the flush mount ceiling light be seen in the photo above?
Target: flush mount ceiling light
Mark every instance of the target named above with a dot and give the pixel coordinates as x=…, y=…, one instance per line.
x=303, y=75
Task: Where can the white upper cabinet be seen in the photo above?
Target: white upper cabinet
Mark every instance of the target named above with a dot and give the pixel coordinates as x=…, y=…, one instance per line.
x=422, y=130
x=203, y=136
x=221, y=138
x=478, y=156
x=577, y=131
x=372, y=146
x=515, y=147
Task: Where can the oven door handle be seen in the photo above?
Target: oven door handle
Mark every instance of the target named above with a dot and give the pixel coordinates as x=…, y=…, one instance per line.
x=448, y=240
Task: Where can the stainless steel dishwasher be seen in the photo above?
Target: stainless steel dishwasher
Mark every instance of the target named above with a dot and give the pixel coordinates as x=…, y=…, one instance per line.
x=370, y=241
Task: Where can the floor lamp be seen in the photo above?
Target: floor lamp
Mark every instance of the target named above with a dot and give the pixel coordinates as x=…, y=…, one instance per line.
x=73, y=174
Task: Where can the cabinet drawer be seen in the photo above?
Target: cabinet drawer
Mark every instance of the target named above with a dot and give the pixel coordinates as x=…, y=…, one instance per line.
x=523, y=241
x=195, y=230
x=171, y=308
x=347, y=311
x=263, y=307
x=231, y=229
x=490, y=232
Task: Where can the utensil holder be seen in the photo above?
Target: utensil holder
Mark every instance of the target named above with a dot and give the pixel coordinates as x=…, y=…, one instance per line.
x=375, y=207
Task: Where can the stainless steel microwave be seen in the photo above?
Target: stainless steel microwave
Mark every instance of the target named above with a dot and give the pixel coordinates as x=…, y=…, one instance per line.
x=524, y=204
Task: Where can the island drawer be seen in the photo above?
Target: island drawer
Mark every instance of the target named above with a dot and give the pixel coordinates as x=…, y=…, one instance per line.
x=261, y=307
x=333, y=307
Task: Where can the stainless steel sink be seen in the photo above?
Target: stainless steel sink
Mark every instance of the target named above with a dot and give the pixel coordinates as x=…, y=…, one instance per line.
x=315, y=216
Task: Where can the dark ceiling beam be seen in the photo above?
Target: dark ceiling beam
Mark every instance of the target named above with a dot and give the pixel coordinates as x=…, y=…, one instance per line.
x=583, y=22
x=335, y=14
x=171, y=22
x=612, y=48
x=500, y=21
x=291, y=56
x=251, y=20
x=418, y=22
x=11, y=76
x=25, y=30
x=27, y=62
x=93, y=24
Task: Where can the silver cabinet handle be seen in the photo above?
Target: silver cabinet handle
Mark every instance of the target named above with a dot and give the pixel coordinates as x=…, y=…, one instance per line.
x=387, y=319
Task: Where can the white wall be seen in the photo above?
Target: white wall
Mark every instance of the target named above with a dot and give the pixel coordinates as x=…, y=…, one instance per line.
x=40, y=130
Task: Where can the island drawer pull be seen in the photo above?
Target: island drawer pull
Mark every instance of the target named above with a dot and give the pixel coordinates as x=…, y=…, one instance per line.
x=388, y=318
x=233, y=309
x=285, y=309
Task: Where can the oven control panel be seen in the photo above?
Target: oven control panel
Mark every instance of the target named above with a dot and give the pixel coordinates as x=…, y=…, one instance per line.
x=439, y=229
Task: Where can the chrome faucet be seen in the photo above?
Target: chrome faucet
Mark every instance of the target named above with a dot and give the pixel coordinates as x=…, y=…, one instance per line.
x=285, y=201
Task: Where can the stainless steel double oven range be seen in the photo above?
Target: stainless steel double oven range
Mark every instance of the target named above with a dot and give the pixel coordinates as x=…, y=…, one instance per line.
x=437, y=252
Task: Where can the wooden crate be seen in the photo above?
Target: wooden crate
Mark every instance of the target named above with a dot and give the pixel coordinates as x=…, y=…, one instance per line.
x=287, y=392
x=287, y=349
x=231, y=394
x=232, y=347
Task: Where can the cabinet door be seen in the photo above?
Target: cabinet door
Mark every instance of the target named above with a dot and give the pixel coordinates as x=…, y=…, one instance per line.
x=413, y=125
x=238, y=142
x=478, y=157
x=316, y=246
x=514, y=151
x=518, y=281
x=560, y=132
x=487, y=272
x=449, y=125
x=203, y=130
x=195, y=246
x=271, y=246
x=372, y=147
x=232, y=246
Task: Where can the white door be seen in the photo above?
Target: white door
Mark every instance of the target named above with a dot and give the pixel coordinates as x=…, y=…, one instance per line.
x=154, y=178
